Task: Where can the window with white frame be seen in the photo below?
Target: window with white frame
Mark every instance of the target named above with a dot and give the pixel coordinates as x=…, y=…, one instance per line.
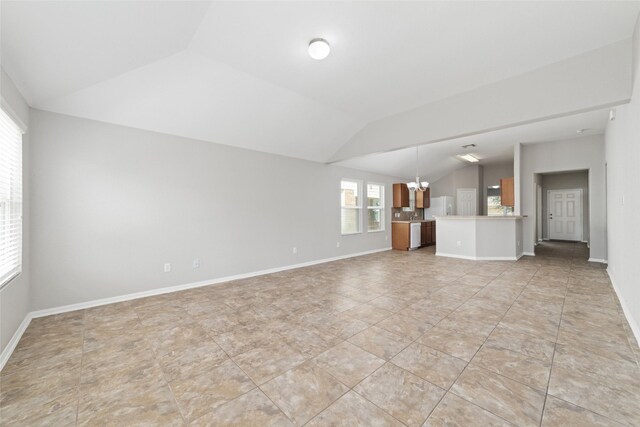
x=351, y=204
x=10, y=199
x=375, y=207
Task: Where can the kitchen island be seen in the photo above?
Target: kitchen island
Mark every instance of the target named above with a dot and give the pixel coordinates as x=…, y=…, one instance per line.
x=480, y=237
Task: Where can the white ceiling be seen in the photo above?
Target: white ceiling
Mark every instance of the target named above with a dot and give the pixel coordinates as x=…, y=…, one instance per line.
x=438, y=159
x=237, y=73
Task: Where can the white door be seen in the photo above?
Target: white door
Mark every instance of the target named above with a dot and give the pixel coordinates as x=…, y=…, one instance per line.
x=565, y=214
x=467, y=203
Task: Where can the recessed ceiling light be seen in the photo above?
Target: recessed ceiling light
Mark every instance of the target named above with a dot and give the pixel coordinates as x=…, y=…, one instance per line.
x=469, y=158
x=319, y=48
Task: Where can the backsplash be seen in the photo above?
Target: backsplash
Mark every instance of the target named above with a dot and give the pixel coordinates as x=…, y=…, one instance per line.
x=406, y=215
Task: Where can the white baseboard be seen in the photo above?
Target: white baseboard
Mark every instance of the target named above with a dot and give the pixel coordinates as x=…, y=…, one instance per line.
x=635, y=328
x=6, y=353
x=597, y=260
x=477, y=258
x=15, y=339
x=529, y=253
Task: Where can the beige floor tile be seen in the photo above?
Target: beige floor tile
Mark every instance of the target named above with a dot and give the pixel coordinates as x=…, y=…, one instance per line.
x=264, y=363
x=389, y=303
x=407, y=397
x=596, y=393
x=152, y=406
x=309, y=341
x=405, y=326
x=368, y=313
x=509, y=399
x=112, y=363
x=304, y=392
x=245, y=338
x=528, y=345
x=352, y=410
x=198, y=395
x=432, y=365
x=28, y=396
x=454, y=411
x=560, y=413
x=380, y=342
x=517, y=366
x=454, y=343
x=348, y=363
x=192, y=360
x=252, y=409
x=345, y=327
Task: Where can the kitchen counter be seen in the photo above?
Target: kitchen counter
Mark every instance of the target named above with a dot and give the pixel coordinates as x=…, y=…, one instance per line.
x=480, y=237
x=481, y=217
x=413, y=220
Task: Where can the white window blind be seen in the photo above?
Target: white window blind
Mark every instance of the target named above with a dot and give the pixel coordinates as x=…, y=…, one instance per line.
x=10, y=199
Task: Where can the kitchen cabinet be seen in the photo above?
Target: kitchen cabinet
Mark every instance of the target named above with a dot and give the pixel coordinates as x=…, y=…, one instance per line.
x=507, y=195
x=428, y=235
x=401, y=196
x=401, y=235
x=423, y=199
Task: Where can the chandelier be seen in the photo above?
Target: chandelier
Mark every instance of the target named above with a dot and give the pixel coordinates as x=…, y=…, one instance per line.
x=417, y=185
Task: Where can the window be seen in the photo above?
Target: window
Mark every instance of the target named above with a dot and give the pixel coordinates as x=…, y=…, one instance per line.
x=10, y=199
x=375, y=207
x=350, y=195
x=494, y=206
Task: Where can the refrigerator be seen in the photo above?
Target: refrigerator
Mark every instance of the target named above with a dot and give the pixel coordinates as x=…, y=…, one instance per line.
x=440, y=206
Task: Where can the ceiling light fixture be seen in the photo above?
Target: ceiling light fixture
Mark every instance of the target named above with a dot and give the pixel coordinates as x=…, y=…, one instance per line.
x=469, y=158
x=417, y=185
x=319, y=48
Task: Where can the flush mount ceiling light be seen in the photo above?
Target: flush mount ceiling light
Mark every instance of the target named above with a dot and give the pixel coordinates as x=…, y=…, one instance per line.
x=469, y=158
x=417, y=185
x=319, y=48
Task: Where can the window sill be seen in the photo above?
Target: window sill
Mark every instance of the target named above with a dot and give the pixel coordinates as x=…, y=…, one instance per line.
x=351, y=234
x=9, y=279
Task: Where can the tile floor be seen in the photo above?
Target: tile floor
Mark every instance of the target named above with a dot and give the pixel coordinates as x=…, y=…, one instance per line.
x=394, y=338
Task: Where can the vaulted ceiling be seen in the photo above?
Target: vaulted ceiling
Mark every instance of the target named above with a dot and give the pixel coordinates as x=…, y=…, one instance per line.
x=238, y=73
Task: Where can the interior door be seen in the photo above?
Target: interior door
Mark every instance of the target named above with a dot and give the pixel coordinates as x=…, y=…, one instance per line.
x=565, y=214
x=467, y=203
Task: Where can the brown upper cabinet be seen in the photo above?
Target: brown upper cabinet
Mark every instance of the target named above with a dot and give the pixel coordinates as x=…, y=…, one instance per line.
x=423, y=199
x=401, y=196
x=507, y=197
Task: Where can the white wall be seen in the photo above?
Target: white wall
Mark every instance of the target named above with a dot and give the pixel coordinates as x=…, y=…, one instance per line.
x=466, y=177
x=622, y=148
x=585, y=153
x=112, y=204
x=15, y=297
x=592, y=80
x=566, y=181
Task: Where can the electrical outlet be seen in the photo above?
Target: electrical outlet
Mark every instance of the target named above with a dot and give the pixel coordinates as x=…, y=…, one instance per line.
x=337, y=244
x=459, y=243
x=196, y=263
x=167, y=268
x=295, y=250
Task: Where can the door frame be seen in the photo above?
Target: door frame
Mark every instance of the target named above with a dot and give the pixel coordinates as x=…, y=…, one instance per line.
x=581, y=211
x=475, y=190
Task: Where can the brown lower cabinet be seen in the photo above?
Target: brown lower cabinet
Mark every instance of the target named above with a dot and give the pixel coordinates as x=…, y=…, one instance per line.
x=401, y=235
